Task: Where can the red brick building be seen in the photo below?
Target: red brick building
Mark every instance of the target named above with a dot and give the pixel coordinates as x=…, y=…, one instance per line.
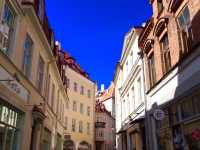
x=170, y=46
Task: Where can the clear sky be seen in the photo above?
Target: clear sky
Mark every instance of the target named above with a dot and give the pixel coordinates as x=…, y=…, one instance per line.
x=92, y=31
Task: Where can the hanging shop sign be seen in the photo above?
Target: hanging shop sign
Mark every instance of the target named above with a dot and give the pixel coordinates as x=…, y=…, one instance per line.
x=159, y=114
x=10, y=82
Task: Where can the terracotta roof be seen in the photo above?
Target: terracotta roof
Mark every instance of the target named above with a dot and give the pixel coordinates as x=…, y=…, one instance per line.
x=67, y=59
x=107, y=94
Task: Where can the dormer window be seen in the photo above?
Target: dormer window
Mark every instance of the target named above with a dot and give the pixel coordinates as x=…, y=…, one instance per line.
x=160, y=6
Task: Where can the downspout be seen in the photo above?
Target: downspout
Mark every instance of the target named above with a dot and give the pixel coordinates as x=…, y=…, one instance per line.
x=145, y=102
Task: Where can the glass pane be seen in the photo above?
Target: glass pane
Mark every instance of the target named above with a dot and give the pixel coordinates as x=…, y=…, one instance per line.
x=197, y=103
x=181, y=21
x=9, y=138
x=187, y=108
x=2, y=135
x=186, y=15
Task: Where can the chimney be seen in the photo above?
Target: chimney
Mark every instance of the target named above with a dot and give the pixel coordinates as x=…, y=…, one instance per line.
x=102, y=87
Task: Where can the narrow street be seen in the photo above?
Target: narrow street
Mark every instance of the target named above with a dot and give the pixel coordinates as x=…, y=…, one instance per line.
x=100, y=75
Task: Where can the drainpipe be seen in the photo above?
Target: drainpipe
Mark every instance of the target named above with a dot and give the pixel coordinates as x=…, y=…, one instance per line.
x=147, y=124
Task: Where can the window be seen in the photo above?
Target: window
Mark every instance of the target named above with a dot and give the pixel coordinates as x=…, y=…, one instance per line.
x=75, y=86
x=81, y=108
x=28, y=46
x=40, y=74
x=133, y=97
x=66, y=123
x=82, y=90
x=160, y=6
x=128, y=105
x=186, y=30
x=88, y=128
x=48, y=87
x=10, y=128
x=73, y=125
x=68, y=83
x=46, y=142
x=81, y=126
x=166, y=58
x=184, y=18
x=88, y=111
x=40, y=10
x=152, y=70
x=52, y=95
x=67, y=104
x=6, y=28
x=131, y=58
x=74, y=106
x=187, y=108
x=89, y=94
x=127, y=67
x=139, y=84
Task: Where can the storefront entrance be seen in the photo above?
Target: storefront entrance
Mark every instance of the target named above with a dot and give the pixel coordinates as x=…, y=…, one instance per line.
x=10, y=123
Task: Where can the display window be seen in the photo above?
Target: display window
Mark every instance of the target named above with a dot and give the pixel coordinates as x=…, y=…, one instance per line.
x=10, y=125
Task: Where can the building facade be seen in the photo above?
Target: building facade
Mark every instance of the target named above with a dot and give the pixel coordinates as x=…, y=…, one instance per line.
x=130, y=95
x=31, y=107
x=80, y=109
x=104, y=128
x=170, y=45
x=107, y=97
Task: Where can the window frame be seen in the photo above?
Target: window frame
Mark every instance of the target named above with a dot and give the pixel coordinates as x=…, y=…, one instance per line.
x=27, y=67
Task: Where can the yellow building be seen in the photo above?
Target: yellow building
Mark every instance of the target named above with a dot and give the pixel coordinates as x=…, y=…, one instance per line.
x=79, y=117
x=32, y=95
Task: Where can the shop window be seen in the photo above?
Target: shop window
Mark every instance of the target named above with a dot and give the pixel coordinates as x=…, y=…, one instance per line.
x=10, y=124
x=6, y=28
x=187, y=109
x=133, y=141
x=165, y=51
x=46, y=144
x=59, y=142
x=196, y=102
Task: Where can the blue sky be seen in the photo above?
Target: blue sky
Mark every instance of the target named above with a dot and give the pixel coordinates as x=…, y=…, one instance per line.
x=92, y=31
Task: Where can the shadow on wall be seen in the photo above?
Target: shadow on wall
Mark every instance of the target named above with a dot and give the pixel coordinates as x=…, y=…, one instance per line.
x=180, y=126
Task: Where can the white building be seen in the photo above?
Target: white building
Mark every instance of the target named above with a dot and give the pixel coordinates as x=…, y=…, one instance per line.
x=130, y=95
